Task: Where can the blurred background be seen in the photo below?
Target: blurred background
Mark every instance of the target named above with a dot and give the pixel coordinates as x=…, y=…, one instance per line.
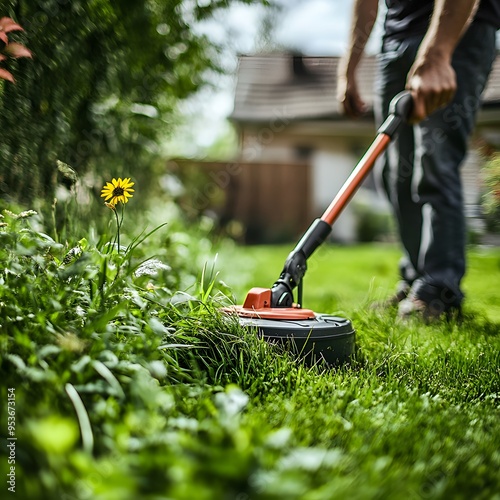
x=218, y=110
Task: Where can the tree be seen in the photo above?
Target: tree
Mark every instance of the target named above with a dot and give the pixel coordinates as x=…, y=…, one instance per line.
x=105, y=79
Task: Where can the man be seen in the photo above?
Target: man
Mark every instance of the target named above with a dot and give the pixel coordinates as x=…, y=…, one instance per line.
x=442, y=51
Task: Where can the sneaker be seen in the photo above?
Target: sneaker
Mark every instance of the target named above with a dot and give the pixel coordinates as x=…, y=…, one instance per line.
x=402, y=291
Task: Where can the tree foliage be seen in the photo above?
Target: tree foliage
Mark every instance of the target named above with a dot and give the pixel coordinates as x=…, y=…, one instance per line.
x=105, y=79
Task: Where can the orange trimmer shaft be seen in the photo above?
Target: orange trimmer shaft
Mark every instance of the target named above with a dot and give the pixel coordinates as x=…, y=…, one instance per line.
x=296, y=263
x=356, y=178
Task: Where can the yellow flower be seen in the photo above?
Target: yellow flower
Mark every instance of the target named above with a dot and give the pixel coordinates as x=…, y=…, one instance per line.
x=118, y=190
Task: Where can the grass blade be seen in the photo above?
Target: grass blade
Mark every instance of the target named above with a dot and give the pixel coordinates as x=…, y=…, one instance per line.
x=83, y=418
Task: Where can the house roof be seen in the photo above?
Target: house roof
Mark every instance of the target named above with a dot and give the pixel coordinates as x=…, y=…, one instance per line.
x=292, y=88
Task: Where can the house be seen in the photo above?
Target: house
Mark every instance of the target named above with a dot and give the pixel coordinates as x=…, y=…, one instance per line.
x=297, y=148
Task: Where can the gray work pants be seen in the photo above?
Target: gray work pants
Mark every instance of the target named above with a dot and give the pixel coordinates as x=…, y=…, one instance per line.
x=421, y=171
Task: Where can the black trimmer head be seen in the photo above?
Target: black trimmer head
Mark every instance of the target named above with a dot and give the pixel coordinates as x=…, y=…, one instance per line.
x=323, y=339
x=314, y=338
x=273, y=313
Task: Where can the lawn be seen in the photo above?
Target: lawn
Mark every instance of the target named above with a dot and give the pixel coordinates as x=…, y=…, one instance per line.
x=418, y=417
x=127, y=386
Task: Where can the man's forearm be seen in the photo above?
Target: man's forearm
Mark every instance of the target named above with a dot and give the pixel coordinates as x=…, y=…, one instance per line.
x=364, y=16
x=449, y=21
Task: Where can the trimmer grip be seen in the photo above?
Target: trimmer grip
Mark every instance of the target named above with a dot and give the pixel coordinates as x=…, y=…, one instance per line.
x=399, y=111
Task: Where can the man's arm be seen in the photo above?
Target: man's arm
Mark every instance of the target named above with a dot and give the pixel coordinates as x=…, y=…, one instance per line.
x=364, y=16
x=431, y=79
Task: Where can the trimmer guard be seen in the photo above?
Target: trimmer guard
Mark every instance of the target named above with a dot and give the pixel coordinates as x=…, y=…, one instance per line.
x=322, y=339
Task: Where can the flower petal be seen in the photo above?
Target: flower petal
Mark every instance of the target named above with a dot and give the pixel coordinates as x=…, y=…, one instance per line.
x=6, y=75
x=17, y=50
x=7, y=25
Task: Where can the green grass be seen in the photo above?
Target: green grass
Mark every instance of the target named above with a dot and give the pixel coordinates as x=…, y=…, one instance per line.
x=136, y=387
x=416, y=416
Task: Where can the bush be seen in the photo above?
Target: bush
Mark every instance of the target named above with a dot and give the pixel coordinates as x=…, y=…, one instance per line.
x=102, y=89
x=373, y=224
x=491, y=199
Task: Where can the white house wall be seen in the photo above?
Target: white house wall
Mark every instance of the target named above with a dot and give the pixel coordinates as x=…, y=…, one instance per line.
x=330, y=169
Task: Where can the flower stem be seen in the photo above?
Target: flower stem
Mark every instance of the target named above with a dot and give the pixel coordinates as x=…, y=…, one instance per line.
x=54, y=221
x=118, y=224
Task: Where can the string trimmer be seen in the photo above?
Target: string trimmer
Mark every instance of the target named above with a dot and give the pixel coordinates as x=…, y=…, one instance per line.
x=273, y=311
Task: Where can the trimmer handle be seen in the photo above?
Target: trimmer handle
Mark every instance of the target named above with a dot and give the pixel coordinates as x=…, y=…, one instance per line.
x=399, y=111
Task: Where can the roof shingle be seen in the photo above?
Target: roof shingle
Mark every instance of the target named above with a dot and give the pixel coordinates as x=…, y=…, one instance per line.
x=304, y=87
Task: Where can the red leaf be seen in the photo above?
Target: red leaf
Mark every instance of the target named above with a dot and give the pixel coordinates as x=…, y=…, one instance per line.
x=2, y=57
x=7, y=25
x=6, y=75
x=17, y=50
x=4, y=38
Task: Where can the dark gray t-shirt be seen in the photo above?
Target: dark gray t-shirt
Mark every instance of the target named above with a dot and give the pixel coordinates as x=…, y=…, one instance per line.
x=411, y=17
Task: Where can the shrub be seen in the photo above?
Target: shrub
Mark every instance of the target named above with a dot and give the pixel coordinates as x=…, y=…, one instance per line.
x=491, y=199
x=373, y=224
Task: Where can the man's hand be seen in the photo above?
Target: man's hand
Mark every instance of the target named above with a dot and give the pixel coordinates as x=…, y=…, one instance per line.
x=349, y=98
x=432, y=82
x=431, y=79
x=363, y=19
